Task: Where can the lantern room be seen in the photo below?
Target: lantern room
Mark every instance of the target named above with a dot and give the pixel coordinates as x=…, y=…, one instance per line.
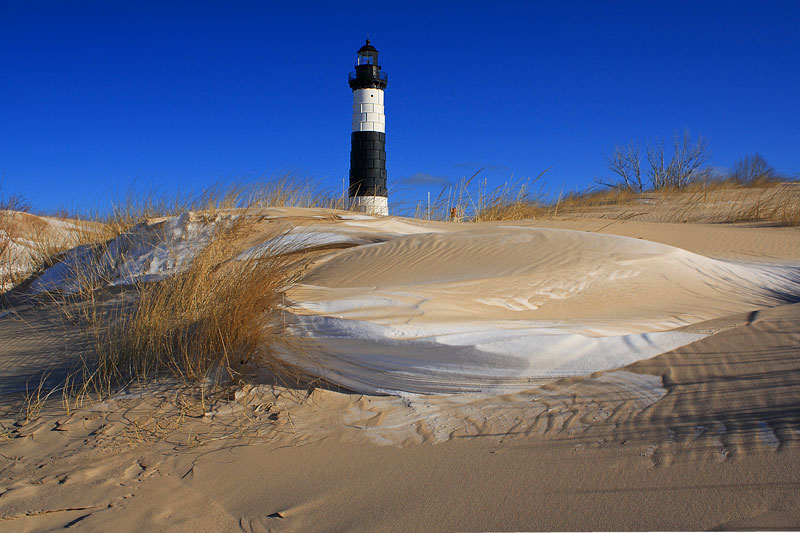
x=367, y=55
x=368, y=73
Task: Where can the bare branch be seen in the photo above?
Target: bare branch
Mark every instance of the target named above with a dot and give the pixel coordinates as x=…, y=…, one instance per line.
x=625, y=162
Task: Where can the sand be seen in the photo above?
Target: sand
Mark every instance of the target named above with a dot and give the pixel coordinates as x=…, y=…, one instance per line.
x=678, y=408
x=26, y=238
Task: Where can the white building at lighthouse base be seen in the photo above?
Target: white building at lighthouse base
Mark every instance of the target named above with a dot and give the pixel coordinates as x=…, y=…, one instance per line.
x=371, y=205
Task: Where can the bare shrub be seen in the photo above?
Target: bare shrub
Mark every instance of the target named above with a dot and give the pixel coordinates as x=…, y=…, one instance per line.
x=753, y=169
x=14, y=203
x=675, y=166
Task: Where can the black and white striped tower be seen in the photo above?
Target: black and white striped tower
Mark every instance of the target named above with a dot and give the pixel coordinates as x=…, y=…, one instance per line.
x=368, y=191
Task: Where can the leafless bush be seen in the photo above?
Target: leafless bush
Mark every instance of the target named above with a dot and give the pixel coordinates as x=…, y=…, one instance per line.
x=665, y=167
x=753, y=169
x=14, y=202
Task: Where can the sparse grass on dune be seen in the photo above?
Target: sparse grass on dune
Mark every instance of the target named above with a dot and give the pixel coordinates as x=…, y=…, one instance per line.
x=42, y=249
x=285, y=191
x=727, y=201
x=716, y=201
x=508, y=201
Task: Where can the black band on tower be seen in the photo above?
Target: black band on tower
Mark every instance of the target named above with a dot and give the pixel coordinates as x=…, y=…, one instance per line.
x=368, y=163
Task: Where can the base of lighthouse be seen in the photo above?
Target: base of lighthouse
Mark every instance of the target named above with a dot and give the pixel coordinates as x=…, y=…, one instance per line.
x=371, y=205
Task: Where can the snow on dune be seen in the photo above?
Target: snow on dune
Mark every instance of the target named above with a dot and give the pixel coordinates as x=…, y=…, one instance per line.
x=150, y=251
x=373, y=358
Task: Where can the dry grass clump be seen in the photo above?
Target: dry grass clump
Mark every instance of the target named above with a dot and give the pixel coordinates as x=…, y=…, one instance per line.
x=508, y=201
x=221, y=312
x=198, y=328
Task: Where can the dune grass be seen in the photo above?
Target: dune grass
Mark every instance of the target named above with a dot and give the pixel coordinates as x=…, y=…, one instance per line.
x=28, y=245
x=284, y=191
x=512, y=200
x=222, y=312
x=711, y=201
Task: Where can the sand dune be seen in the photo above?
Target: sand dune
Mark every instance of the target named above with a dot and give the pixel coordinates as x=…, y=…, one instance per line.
x=702, y=437
x=499, y=307
x=26, y=238
x=646, y=380
x=410, y=306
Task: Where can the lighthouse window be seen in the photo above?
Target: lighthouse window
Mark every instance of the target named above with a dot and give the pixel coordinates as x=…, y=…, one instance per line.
x=365, y=60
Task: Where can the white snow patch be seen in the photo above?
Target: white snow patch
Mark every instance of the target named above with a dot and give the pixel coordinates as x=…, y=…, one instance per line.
x=485, y=357
x=298, y=240
x=149, y=251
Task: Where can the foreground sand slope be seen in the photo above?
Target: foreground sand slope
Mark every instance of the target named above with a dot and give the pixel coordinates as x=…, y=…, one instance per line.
x=718, y=448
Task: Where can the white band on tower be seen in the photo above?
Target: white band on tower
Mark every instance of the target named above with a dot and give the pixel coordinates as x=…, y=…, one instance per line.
x=368, y=112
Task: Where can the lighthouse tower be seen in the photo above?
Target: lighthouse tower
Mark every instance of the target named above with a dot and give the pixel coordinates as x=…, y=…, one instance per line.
x=368, y=191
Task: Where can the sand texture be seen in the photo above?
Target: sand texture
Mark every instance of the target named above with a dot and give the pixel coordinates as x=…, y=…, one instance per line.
x=581, y=374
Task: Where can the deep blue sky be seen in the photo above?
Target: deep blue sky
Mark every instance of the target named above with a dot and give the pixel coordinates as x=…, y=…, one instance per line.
x=96, y=96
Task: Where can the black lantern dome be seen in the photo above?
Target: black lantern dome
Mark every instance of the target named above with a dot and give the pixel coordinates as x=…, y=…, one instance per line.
x=368, y=73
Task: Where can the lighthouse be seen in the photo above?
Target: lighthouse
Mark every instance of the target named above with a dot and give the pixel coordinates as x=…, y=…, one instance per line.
x=368, y=191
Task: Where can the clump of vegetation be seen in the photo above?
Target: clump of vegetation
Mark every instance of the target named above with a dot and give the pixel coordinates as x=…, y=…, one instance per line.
x=221, y=312
x=659, y=166
x=754, y=170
